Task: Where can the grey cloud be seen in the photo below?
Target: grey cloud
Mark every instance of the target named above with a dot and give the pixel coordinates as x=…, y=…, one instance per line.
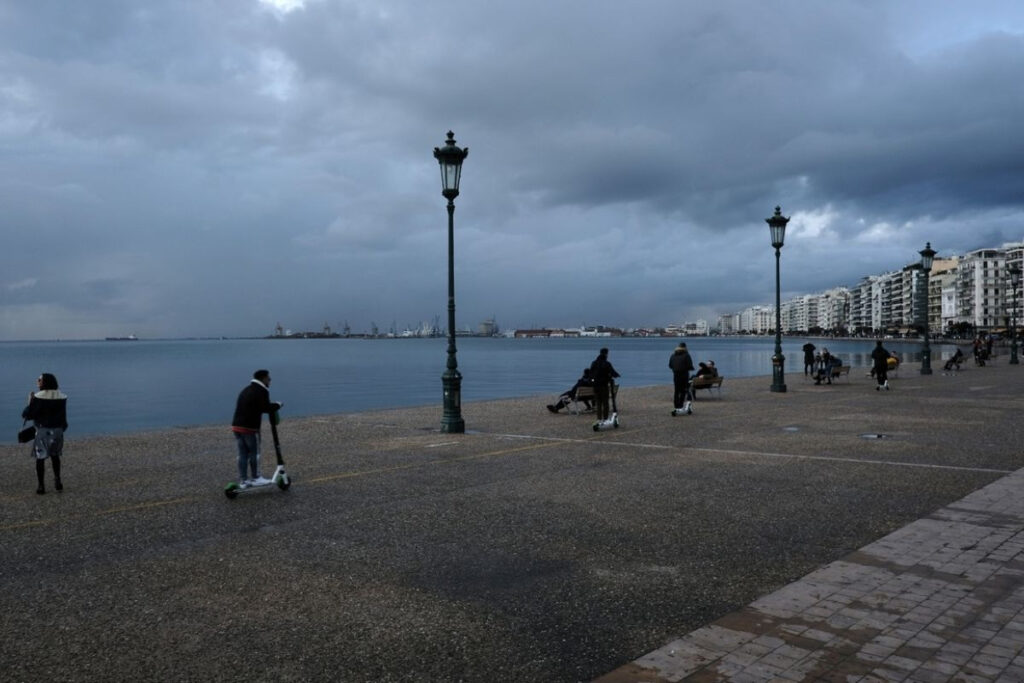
x=164, y=154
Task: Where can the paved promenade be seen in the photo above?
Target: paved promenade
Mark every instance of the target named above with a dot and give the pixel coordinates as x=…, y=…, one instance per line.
x=828, y=533
x=941, y=599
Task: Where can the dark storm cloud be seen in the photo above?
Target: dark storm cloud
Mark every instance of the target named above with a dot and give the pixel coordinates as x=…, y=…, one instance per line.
x=166, y=156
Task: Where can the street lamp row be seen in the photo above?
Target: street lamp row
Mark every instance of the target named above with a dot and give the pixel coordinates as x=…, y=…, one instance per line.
x=450, y=158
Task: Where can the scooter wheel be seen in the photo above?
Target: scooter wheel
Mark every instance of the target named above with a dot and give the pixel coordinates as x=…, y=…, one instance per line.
x=283, y=483
x=231, y=490
x=596, y=427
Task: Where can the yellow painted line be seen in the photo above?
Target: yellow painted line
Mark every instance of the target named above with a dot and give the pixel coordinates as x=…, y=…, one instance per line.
x=445, y=461
x=99, y=513
x=546, y=443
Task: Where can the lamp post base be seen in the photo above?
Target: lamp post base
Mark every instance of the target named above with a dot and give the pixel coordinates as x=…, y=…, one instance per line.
x=926, y=358
x=778, y=378
x=451, y=420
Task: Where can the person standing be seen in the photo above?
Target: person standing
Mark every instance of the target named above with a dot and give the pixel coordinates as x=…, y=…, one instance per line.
x=681, y=365
x=47, y=408
x=880, y=365
x=253, y=401
x=808, y=358
x=603, y=373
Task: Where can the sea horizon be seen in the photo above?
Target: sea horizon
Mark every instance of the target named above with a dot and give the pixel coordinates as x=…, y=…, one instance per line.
x=129, y=386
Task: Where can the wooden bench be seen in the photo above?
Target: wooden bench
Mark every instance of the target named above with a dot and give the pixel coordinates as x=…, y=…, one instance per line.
x=577, y=407
x=709, y=383
x=588, y=393
x=840, y=370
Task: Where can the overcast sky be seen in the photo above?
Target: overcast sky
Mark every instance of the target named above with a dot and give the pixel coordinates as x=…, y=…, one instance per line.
x=214, y=167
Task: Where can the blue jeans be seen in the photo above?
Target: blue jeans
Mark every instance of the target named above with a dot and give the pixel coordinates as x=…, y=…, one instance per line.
x=248, y=454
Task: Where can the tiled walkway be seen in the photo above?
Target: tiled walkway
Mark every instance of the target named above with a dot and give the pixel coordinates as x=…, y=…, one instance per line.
x=939, y=600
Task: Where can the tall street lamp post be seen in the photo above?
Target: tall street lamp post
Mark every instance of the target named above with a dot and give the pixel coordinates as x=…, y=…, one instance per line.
x=777, y=227
x=1015, y=283
x=927, y=257
x=450, y=158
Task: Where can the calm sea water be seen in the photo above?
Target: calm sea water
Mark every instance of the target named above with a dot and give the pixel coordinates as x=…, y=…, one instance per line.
x=117, y=387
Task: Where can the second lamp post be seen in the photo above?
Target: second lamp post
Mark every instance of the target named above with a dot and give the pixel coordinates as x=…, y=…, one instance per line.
x=777, y=226
x=1015, y=283
x=450, y=158
x=927, y=257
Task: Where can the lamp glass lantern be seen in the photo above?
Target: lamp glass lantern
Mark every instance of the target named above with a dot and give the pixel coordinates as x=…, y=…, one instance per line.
x=927, y=257
x=450, y=158
x=777, y=227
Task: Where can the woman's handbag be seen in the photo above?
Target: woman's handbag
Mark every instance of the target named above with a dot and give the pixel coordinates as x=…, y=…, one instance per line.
x=27, y=434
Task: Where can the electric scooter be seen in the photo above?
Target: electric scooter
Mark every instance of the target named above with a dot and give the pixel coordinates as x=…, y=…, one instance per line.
x=687, y=408
x=612, y=422
x=280, y=477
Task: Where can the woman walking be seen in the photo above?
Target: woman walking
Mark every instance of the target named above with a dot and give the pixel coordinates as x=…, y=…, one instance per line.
x=47, y=408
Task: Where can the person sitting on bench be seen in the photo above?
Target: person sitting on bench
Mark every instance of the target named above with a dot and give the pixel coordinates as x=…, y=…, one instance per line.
x=828, y=362
x=706, y=369
x=568, y=396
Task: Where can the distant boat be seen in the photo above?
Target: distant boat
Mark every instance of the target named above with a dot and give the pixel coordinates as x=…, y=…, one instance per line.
x=130, y=337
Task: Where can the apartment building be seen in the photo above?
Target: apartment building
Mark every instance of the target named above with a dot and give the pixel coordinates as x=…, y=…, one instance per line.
x=981, y=289
x=974, y=288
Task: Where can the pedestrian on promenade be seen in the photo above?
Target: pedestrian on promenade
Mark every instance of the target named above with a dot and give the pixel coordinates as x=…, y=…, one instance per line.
x=253, y=401
x=47, y=408
x=808, y=358
x=603, y=373
x=568, y=396
x=681, y=365
x=880, y=363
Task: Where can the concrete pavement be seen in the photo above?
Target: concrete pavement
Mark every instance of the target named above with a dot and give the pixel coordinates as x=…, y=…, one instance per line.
x=532, y=548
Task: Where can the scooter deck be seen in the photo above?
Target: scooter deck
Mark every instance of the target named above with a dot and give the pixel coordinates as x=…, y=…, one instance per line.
x=280, y=479
x=610, y=423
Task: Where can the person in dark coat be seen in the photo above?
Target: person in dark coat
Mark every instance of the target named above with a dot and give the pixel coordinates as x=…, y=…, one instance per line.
x=880, y=366
x=47, y=409
x=808, y=358
x=603, y=373
x=682, y=366
x=253, y=401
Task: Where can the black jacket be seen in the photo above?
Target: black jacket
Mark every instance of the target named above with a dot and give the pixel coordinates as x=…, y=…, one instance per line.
x=681, y=363
x=253, y=401
x=602, y=371
x=47, y=409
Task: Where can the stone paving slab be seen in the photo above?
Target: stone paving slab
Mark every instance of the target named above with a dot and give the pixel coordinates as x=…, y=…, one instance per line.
x=941, y=599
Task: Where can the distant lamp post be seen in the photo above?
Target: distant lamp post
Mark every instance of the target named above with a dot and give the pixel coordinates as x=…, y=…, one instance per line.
x=450, y=158
x=1015, y=283
x=927, y=258
x=777, y=227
